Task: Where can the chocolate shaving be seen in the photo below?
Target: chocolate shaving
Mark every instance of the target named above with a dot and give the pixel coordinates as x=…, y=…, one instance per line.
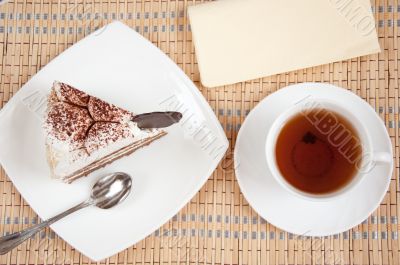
x=157, y=119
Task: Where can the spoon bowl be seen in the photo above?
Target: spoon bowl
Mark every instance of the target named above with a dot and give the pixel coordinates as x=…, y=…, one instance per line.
x=111, y=189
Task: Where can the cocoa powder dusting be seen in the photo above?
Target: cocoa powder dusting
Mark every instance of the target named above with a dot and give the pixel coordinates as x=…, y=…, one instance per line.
x=69, y=123
x=72, y=95
x=84, y=121
x=103, y=111
x=102, y=134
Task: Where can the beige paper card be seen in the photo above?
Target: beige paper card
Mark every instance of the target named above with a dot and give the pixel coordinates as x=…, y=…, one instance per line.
x=238, y=40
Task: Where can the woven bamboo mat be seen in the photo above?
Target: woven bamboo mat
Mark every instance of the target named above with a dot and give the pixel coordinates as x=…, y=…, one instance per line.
x=218, y=226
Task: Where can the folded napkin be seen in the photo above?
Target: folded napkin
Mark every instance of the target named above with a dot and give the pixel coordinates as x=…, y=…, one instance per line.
x=238, y=40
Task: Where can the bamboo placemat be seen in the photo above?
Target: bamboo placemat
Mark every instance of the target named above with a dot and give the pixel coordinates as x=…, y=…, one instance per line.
x=218, y=226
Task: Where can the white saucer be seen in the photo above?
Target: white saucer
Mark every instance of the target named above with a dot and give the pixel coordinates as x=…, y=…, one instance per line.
x=288, y=211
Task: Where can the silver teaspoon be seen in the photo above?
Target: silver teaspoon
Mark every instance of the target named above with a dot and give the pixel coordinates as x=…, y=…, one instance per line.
x=107, y=192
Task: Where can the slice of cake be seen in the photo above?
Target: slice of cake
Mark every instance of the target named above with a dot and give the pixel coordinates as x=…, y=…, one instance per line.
x=84, y=133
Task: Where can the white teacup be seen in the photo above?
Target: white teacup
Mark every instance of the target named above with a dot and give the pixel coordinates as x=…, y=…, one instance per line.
x=365, y=164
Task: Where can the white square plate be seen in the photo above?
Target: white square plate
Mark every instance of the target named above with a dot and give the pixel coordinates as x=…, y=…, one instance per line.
x=120, y=66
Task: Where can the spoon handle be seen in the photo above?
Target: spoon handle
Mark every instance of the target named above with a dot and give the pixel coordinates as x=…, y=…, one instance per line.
x=11, y=241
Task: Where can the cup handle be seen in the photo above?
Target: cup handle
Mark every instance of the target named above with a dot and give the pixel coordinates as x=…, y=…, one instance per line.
x=382, y=157
x=374, y=159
